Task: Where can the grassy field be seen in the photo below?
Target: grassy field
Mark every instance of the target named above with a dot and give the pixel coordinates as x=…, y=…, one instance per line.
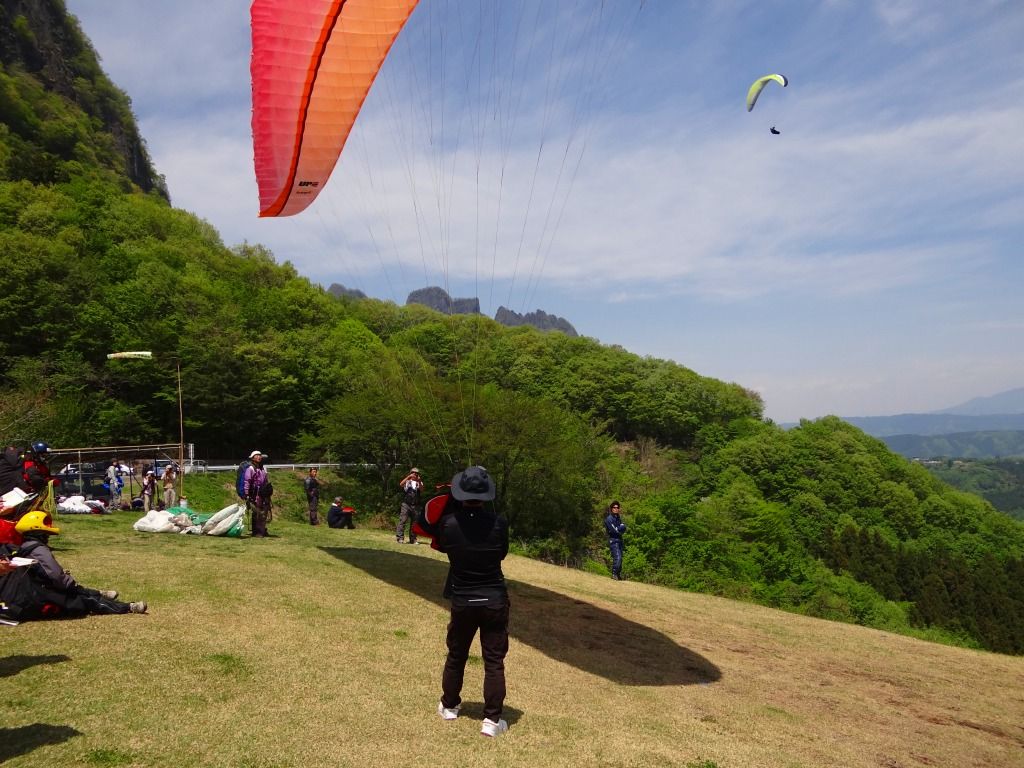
x=321, y=647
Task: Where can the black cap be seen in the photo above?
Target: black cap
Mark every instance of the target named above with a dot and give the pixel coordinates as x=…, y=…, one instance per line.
x=473, y=484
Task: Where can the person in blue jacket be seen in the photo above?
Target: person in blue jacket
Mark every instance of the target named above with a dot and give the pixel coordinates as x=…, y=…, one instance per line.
x=615, y=527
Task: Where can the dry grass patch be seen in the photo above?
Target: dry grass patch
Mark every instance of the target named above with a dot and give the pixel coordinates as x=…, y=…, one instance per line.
x=324, y=648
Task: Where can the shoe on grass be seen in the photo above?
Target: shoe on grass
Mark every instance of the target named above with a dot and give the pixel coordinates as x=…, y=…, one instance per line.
x=139, y=607
x=491, y=728
x=447, y=713
x=110, y=594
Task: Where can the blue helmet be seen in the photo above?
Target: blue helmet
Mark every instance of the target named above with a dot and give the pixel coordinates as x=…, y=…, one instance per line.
x=40, y=448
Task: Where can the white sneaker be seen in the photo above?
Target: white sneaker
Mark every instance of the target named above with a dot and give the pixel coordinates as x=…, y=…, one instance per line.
x=110, y=594
x=491, y=728
x=448, y=713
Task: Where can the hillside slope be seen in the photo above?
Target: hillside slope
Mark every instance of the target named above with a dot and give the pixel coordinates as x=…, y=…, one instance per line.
x=60, y=115
x=324, y=648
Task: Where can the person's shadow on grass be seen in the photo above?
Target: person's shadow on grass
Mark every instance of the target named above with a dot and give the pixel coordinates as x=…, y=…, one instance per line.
x=22, y=740
x=12, y=665
x=571, y=631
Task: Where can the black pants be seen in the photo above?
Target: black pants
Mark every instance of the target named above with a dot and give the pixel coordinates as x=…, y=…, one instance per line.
x=90, y=601
x=493, y=626
x=37, y=601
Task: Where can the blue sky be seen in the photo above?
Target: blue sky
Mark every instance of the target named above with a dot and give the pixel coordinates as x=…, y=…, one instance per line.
x=603, y=167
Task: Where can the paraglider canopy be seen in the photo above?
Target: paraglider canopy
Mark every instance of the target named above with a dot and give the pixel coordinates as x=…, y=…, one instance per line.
x=313, y=62
x=758, y=86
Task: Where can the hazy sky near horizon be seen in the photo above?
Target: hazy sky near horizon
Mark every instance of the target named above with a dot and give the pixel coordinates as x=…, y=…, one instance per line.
x=597, y=161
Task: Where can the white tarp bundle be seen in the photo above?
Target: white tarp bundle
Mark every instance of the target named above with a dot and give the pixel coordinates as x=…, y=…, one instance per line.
x=220, y=524
x=78, y=505
x=156, y=521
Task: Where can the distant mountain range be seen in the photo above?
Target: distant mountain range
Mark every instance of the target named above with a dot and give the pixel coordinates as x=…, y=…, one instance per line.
x=1011, y=401
x=935, y=423
x=960, y=445
x=981, y=428
x=439, y=299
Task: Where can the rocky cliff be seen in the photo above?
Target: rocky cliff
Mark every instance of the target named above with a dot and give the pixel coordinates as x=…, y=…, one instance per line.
x=43, y=51
x=438, y=298
x=539, y=319
x=339, y=290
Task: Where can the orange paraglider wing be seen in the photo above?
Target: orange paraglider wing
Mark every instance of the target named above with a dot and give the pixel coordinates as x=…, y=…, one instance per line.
x=313, y=62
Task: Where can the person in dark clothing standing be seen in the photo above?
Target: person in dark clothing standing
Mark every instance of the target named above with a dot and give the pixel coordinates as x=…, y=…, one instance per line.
x=476, y=541
x=11, y=469
x=312, y=488
x=615, y=527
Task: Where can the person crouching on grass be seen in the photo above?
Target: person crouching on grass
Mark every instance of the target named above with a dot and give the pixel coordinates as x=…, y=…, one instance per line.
x=476, y=541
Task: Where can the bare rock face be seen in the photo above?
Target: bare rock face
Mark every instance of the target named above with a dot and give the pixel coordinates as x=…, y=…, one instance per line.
x=339, y=290
x=438, y=299
x=539, y=319
x=44, y=41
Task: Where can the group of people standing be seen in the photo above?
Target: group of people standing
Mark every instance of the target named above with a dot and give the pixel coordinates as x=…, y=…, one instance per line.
x=167, y=482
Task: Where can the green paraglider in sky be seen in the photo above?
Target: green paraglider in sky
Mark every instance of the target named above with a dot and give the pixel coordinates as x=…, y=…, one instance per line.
x=758, y=86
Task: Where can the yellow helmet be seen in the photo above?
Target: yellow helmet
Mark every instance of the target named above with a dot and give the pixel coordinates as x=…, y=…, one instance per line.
x=36, y=522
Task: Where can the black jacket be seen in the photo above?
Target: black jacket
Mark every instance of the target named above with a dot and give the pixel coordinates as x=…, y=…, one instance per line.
x=614, y=526
x=10, y=471
x=476, y=541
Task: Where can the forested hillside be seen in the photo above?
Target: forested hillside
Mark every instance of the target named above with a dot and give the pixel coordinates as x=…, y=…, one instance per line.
x=1000, y=481
x=961, y=445
x=821, y=519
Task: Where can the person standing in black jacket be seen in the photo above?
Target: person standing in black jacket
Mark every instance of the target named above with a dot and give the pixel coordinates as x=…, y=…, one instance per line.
x=476, y=541
x=614, y=527
x=11, y=469
x=312, y=487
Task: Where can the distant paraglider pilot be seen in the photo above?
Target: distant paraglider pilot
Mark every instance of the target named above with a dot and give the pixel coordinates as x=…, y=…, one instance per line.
x=476, y=541
x=774, y=130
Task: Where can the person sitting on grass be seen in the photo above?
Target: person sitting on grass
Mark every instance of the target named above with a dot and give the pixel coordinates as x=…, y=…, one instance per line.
x=340, y=516
x=59, y=593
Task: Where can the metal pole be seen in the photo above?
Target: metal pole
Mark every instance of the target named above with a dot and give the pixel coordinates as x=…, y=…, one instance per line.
x=181, y=443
